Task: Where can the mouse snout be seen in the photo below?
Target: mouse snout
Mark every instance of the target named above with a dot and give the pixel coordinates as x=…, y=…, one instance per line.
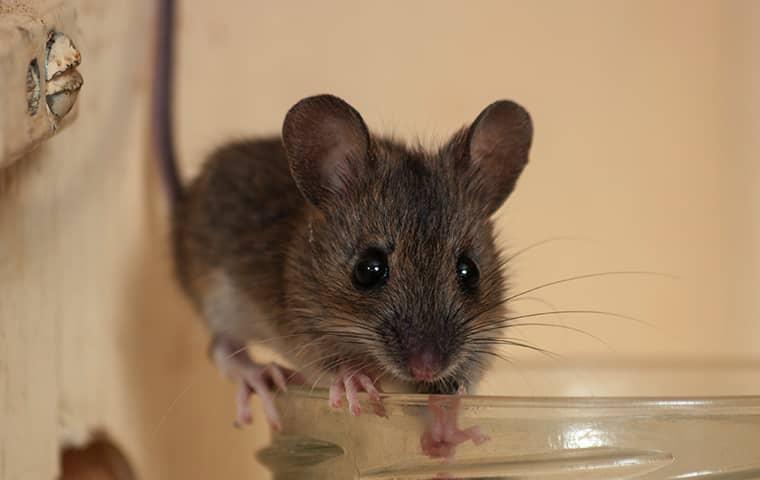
x=424, y=365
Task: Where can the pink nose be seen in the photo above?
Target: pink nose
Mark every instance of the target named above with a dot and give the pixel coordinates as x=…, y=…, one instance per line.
x=424, y=365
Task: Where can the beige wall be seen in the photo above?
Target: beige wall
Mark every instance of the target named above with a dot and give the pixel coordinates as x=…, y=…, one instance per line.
x=646, y=153
x=643, y=143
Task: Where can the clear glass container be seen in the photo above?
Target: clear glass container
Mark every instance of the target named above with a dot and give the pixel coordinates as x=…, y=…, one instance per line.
x=558, y=438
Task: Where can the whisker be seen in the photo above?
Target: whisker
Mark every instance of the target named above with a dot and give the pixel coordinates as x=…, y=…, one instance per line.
x=352, y=321
x=489, y=308
x=500, y=324
x=328, y=367
x=301, y=349
x=489, y=352
x=537, y=300
x=544, y=303
x=383, y=374
x=564, y=327
x=173, y=404
x=349, y=335
x=312, y=362
x=513, y=343
x=270, y=339
x=538, y=244
x=589, y=275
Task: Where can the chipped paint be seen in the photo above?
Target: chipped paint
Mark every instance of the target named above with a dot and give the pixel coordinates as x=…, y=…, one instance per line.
x=63, y=79
x=61, y=55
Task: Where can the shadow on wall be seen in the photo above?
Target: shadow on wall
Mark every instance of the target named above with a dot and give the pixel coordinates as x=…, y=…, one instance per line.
x=184, y=407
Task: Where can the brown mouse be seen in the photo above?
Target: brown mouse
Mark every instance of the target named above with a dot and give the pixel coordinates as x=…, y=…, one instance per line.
x=354, y=256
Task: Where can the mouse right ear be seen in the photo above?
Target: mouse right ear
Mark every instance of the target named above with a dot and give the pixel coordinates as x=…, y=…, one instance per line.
x=327, y=143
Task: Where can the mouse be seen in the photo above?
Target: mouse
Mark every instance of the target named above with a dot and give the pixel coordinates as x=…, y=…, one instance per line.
x=363, y=261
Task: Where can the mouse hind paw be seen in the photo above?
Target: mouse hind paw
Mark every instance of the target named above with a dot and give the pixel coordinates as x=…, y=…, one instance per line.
x=252, y=377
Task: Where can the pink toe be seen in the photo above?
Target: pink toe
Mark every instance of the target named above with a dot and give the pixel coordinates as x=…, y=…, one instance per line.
x=336, y=394
x=477, y=435
x=351, y=396
x=374, y=395
x=244, y=413
x=278, y=378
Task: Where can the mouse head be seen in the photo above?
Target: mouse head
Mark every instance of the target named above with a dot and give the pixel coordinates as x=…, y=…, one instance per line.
x=401, y=272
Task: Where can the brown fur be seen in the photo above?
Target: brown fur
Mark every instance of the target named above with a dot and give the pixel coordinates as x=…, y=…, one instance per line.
x=266, y=238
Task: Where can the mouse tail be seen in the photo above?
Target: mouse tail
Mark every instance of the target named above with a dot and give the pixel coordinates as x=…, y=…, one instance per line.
x=161, y=113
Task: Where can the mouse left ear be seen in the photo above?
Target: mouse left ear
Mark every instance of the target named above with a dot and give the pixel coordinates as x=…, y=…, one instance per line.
x=496, y=151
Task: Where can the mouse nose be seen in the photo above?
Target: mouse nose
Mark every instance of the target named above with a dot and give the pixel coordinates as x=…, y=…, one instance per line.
x=424, y=365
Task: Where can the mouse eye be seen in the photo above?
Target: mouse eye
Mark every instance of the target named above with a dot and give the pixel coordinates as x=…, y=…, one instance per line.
x=371, y=270
x=467, y=272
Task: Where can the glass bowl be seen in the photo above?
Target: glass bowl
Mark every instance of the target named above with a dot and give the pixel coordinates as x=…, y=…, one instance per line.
x=558, y=438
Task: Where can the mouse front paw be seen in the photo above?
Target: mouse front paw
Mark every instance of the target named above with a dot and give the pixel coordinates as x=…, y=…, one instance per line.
x=443, y=435
x=348, y=383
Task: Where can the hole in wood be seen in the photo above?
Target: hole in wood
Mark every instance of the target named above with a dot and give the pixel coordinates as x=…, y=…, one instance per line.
x=33, y=87
x=99, y=460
